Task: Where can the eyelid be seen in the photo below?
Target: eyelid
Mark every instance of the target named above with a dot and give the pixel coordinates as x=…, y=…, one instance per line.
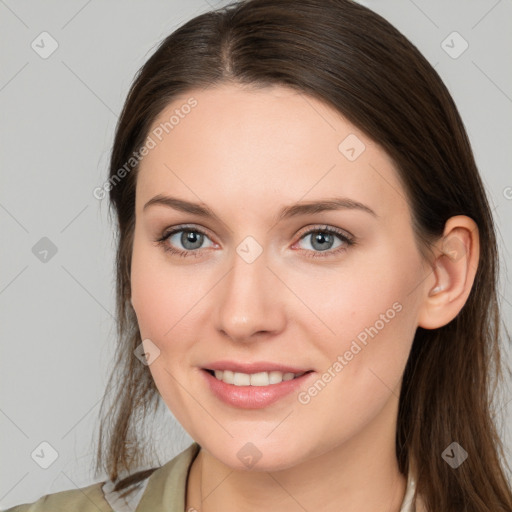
x=346, y=237
x=325, y=227
x=347, y=241
x=184, y=227
x=307, y=230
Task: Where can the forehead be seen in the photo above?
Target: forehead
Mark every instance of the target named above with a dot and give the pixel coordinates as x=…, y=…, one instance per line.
x=245, y=146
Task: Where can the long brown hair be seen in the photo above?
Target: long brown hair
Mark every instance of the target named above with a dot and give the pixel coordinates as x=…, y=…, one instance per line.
x=356, y=62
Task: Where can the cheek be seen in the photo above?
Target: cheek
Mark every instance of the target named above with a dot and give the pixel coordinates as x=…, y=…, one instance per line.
x=149, y=296
x=369, y=317
x=161, y=296
x=348, y=302
x=363, y=363
x=161, y=299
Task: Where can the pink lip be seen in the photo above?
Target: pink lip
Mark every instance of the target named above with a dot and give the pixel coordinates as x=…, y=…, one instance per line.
x=256, y=367
x=252, y=397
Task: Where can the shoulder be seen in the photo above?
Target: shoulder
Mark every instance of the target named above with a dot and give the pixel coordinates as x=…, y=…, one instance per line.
x=85, y=499
x=159, y=489
x=166, y=488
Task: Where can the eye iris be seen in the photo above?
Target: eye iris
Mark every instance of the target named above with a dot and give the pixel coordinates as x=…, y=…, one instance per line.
x=192, y=237
x=321, y=238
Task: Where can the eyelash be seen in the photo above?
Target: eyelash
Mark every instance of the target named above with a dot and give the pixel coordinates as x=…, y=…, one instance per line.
x=348, y=240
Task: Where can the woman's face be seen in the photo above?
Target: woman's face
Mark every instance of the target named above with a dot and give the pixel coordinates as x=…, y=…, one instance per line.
x=258, y=290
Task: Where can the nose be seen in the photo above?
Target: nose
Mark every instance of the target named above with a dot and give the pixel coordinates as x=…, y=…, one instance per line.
x=250, y=302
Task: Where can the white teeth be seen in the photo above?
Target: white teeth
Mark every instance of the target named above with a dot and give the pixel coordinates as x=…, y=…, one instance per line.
x=260, y=379
x=254, y=379
x=241, y=379
x=227, y=376
x=275, y=377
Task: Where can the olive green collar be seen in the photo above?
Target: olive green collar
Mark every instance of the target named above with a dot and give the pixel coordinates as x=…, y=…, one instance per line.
x=167, y=486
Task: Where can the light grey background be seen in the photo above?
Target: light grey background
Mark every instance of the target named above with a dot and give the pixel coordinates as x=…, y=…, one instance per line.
x=57, y=121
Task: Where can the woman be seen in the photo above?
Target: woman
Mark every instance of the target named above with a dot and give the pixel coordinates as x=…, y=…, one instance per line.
x=306, y=275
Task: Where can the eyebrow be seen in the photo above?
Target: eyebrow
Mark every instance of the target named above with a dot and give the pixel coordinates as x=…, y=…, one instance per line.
x=295, y=210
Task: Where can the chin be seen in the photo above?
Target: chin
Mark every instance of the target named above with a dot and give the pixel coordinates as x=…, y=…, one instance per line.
x=260, y=454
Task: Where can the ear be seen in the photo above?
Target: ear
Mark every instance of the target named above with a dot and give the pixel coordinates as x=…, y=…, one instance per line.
x=453, y=273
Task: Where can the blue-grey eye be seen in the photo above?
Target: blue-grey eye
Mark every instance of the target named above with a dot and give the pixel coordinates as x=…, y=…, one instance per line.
x=188, y=238
x=322, y=240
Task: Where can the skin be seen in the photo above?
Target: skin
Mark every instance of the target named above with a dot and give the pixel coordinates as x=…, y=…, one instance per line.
x=246, y=153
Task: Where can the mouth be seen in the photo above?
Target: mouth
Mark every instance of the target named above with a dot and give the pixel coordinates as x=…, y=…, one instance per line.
x=265, y=378
x=254, y=388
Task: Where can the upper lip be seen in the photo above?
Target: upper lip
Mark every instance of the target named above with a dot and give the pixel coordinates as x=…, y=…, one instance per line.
x=254, y=367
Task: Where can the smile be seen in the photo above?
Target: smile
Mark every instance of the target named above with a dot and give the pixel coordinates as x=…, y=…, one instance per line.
x=253, y=379
x=253, y=390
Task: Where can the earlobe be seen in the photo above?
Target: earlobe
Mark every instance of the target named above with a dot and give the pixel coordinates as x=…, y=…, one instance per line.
x=452, y=275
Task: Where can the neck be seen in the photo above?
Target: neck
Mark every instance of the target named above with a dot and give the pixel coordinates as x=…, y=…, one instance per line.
x=360, y=474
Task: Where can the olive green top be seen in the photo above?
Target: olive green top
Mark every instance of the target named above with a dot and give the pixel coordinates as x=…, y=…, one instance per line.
x=163, y=491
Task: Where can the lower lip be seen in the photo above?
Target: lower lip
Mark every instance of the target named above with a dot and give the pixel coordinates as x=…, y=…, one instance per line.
x=253, y=397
